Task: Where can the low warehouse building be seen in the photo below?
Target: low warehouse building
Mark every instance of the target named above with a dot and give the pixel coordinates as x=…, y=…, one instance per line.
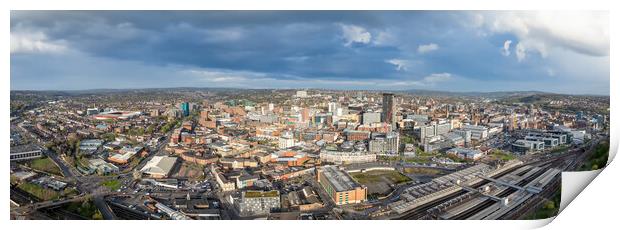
x=159, y=166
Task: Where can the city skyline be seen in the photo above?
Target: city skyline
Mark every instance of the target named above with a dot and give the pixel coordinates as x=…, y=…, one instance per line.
x=456, y=51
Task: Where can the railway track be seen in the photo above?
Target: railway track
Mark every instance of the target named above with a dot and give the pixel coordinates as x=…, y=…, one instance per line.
x=507, y=192
x=553, y=162
x=422, y=211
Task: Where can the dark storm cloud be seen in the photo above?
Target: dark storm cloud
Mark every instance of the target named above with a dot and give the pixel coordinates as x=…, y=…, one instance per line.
x=339, y=46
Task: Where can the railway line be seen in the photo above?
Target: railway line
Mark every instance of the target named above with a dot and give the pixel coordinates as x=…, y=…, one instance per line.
x=421, y=212
x=426, y=212
x=502, y=194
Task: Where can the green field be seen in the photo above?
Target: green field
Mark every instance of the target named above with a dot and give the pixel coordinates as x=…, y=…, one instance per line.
x=501, y=155
x=40, y=192
x=46, y=165
x=112, y=184
x=377, y=176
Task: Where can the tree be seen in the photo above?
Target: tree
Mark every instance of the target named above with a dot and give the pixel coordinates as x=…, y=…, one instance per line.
x=97, y=216
x=549, y=205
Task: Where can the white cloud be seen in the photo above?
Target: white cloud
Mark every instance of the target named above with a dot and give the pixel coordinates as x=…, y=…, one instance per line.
x=401, y=65
x=297, y=58
x=226, y=76
x=506, y=49
x=34, y=42
x=427, y=48
x=550, y=72
x=584, y=32
x=385, y=38
x=355, y=34
x=520, y=51
x=437, y=77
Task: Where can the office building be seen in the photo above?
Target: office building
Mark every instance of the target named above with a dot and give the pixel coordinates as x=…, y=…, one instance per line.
x=301, y=94
x=478, y=132
x=286, y=141
x=371, y=117
x=525, y=146
x=340, y=186
x=253, y=203
x=185, y=109
x=385, y=144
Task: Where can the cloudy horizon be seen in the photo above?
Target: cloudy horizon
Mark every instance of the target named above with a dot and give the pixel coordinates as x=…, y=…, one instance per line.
x=459, y=51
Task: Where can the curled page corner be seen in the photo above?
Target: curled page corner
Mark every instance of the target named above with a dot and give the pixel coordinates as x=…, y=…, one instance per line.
x=573, y=183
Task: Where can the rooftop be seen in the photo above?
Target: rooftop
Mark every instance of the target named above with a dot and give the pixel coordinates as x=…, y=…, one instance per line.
x=24, y=148
x=339, y=179
x=255, y=194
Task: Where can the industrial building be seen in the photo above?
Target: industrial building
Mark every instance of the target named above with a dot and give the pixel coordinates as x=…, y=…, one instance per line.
x=25, y=152
x=159, y=166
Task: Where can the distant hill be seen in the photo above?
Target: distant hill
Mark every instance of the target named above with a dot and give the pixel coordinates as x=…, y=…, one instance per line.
x=496, y=95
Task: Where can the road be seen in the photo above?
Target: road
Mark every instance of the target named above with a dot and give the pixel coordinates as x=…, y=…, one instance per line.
x=103, y=207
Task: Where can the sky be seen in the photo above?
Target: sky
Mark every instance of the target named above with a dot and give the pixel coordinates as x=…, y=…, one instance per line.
x=483, y=51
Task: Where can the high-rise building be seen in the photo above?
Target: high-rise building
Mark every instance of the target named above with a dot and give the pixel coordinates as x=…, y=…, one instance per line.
x=185, y=108
x=388, y=109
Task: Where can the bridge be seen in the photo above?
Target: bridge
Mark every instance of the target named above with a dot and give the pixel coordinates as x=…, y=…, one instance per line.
x=526, y=188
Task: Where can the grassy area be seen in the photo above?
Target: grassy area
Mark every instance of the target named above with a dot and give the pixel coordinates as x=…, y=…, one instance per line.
x=457, y=159
x=82, y=161
x=194, y=172
x=46, y=165
x=426, y=171
x=86, y=209
x=39, y=192
x=548, y=209
x=597, y=159
x=501, y=155
x=261, y=194
x=378, y=175
x=112, y=184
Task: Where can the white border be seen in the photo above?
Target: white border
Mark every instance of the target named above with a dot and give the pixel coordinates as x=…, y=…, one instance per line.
x=595, y=208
